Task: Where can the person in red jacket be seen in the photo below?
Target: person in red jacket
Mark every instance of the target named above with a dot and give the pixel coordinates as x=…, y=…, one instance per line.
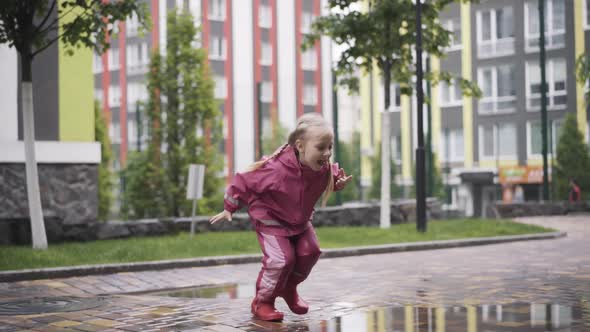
x=575, y=192
x=281, y=192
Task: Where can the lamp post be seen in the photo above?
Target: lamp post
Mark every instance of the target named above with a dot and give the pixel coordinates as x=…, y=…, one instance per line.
x=420, y=167
x=543, y=97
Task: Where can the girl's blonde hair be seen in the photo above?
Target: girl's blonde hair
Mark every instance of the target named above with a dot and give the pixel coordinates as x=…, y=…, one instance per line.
x=303, y=124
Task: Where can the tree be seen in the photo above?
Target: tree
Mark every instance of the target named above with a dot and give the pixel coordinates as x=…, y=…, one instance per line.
x=277, y=138
x=349, y=160
x=180, y=87
x=573, y=158
x=30, y=26
x=105, y=181
x=385, y=36
x=375, y=190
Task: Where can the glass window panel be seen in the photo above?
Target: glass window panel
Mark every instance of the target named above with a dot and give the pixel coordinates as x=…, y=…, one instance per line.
x=506, y=81
x=487, y=83
x=507, y=140
x=504, y=23
x=533, y=16
x=488, y=141
x=559, y=100
x=444, y=92
x=535, y=137
x=558, y=13
x=486, y=25
x=459, y=150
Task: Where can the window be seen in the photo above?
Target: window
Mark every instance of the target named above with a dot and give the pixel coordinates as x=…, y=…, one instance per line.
x=132, y=24
x=452, y=148
x=97, y=63
x=217, y=48
x=556, y=82
x=586, y=14
x=495, y=32
x=266, y=93
x=265, y=16
x=396, y=97
x=454, y=27
x=217, y=10
x=136, y=92
x=534, y=137
x=309, y=59
x=114, y=96
x=310, y=94
x=306, y=20
x=266, y=54
x=396, y=149
x=220, y=87
x=113, y=58
x=450, y=94
x=498, y=89
x=497, y=141
x=554, y=24
x=115, y=132
x=98, y=95
x=138, y=58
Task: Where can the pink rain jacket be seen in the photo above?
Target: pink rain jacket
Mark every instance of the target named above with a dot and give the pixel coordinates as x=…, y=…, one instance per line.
x=281, y=194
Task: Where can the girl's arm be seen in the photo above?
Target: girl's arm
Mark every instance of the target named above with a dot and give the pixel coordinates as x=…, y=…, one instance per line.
x=246, y=185
x=340, y=178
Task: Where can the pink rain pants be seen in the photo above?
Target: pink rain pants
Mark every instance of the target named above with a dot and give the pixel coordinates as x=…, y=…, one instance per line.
x=287, y=261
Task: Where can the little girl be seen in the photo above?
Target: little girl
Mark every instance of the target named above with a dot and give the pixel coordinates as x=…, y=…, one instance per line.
x=281, y=192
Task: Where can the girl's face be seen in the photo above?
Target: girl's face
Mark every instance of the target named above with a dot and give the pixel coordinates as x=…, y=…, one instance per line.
x=315, y=147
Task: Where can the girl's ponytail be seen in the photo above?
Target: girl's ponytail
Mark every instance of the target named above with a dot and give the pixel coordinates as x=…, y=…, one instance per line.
x=330, y=187
x=263, y=161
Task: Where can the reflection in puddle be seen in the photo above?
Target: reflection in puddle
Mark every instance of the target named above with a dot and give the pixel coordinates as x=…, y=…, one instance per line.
x=526, y=317
x=229, y=291
x=512, y=317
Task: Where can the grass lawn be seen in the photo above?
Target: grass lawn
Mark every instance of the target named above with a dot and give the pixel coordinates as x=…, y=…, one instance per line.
x=231, y=243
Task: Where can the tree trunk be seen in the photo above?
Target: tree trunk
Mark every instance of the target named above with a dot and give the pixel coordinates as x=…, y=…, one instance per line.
x=385, y=219
x=39, y=238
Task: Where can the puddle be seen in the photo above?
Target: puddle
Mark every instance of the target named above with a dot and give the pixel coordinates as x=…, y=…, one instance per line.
x=525, y=317
x=228, y=291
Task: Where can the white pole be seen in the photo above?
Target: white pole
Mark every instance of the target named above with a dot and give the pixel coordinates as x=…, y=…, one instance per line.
x=39, y=238
x=385, y=219
x=193, y=217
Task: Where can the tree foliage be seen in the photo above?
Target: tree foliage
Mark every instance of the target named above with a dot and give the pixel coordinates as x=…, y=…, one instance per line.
x=105, y=177
x=349, y=160
x=185, y=128
x=375, y=191
x=385, y=35
x=573, y=159
x=31, y=26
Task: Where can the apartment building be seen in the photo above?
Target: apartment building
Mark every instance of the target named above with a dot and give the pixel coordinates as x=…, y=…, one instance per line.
x=492, y=143
x=252, y=45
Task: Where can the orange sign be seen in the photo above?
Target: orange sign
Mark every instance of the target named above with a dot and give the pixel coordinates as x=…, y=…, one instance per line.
x=521, y=174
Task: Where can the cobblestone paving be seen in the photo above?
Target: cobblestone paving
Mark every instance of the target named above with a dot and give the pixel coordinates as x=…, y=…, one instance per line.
x=521, y=286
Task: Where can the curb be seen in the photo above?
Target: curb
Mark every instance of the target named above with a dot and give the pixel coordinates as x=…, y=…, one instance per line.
x=84, y=270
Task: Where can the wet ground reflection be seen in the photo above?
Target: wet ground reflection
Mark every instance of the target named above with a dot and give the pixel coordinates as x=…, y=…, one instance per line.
x=526, y=317
x=227, y=291
x=510, y=317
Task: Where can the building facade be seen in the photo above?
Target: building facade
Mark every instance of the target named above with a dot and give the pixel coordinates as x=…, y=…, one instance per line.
x=67, y=156
x=248, y=51
x=495, y=44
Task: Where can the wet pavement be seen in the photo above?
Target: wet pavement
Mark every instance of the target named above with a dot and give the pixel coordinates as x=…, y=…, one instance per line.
x=520, y=286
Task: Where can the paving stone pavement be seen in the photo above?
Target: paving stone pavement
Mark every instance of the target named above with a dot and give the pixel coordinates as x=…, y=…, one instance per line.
x=519, y=286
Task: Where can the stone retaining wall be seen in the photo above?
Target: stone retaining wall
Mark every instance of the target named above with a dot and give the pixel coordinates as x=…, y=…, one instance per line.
x=526, y=209
x=361, y=214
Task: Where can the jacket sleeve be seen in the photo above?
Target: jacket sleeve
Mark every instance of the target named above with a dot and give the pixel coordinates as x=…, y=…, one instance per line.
x=337, y=173
x=245, y=186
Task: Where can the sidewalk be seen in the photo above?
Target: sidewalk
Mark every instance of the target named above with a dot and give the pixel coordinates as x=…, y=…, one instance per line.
x=373, y=292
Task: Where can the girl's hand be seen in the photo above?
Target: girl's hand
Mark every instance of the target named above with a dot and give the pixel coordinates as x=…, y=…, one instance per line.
x=342, y=181
x=225, y=215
